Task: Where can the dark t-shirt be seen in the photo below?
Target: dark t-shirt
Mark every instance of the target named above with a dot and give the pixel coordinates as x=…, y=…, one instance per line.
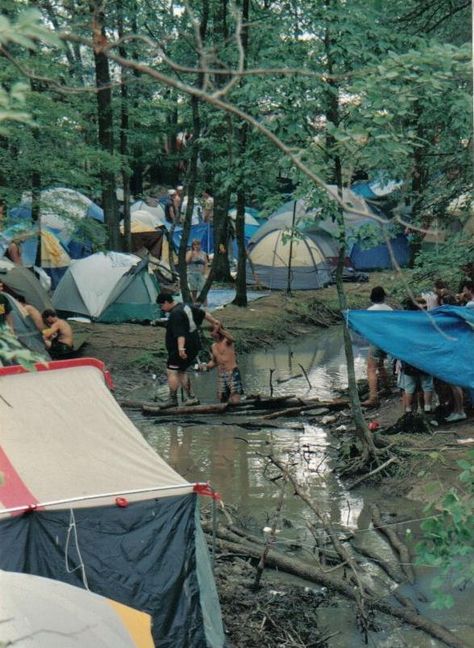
x=5, y=309
x=179, y=324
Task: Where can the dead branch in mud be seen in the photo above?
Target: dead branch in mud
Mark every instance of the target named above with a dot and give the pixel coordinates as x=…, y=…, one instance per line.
x=396, y=543
x=232, y=543
x=305, y=375
x=360, y=593
x=372, y=472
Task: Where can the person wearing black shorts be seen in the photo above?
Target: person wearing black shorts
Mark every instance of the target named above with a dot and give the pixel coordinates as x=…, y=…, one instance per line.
x=182, y=344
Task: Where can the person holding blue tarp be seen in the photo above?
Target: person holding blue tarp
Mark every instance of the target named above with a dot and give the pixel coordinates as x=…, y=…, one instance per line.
x=376, y=356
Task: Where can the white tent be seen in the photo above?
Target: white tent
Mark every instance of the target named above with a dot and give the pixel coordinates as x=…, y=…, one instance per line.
x=39, y=612
x=108, y=287
x=155, y=218
x=249, y=219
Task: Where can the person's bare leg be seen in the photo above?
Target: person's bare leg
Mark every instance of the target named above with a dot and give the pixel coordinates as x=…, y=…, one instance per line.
x=173, y=385
x=458, y=399
x=186, y=385
x=372, y=380
x=428, y=400
x=408, y=402
x=234, y=398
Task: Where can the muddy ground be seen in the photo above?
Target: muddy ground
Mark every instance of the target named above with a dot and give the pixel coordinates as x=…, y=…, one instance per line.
x=282, y=614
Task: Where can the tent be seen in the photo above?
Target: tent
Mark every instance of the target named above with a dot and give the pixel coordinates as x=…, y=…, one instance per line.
x=85, y=500
x=44, y=613
x=108, y=287
x=22, y=282
x=61, y=208
x=439, y=342
x=269, y=261
x=361, y=229
x=146, y=214
x=25, y=329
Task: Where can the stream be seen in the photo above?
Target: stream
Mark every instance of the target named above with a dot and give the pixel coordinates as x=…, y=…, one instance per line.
x=233, y=460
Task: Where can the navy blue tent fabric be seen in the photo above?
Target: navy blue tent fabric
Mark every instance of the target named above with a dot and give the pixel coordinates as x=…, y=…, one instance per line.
x=378, y=256
x=440, y=342
x=143, y=555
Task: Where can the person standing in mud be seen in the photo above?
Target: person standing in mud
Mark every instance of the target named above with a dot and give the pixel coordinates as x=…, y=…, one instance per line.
x=182, y=344
x=229, y=380
x=376, y=357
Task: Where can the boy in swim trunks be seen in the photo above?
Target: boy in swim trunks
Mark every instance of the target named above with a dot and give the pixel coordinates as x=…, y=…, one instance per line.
x=229, y=380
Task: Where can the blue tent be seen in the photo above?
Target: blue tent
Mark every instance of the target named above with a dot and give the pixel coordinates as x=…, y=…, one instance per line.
x=439, y=342
x=204, y=232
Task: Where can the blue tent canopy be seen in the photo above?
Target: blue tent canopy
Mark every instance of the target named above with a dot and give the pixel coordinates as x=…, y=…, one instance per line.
x=439, y=342
x=204, y=232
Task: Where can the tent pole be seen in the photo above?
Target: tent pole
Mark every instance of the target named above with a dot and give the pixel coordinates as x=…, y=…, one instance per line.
x=85, y=498
x=288, y=285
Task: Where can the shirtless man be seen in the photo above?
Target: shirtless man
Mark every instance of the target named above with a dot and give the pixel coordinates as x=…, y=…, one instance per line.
x=229, y=380
x=57, y=337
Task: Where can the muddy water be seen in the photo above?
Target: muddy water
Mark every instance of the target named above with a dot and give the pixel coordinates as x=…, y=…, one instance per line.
x=234, y=460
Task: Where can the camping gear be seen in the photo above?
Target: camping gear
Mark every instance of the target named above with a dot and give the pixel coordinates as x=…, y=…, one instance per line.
x=439, y=342
x=23, y=283
x=298, y=264
x=361, y=229
x=108, y=287
x=25, y=329
x=85, y=500
x=45, y=613
x=141, y=212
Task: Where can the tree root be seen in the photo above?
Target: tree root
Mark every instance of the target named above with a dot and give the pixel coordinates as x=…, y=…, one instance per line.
x=397, y=544
x=316, y=575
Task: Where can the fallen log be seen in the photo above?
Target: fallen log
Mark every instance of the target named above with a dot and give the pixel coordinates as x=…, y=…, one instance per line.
x=337, y=404
x=277, y=560
x=179, y=411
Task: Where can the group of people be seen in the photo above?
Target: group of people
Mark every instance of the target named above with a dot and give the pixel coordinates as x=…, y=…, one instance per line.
x=411, y=380
x=57, y=333
x=183, y=345
x=172, y=203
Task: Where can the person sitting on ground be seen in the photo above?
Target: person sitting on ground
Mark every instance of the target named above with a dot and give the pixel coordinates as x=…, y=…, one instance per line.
x=467, y=289
x=229, y=380
x=196, y=261
x=376, y=356
x=58, y=337
x=182, y=344
x=31, y=312
x=5, y=310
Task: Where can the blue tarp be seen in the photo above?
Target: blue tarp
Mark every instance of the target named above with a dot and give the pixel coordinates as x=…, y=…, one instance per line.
x=440, y=342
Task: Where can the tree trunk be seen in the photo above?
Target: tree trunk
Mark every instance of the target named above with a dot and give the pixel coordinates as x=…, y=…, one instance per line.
x=124, y=127
x=241, y=278
x=363, y=434
x=105, y=128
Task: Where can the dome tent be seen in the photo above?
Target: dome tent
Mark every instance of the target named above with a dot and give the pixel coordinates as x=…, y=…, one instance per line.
x=108, y=287
x=274, y=261
x=58, y=615
x=98, y=508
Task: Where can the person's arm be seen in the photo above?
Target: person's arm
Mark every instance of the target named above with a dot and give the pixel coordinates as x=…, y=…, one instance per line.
x=189, y=256
x=50, y=332
x=182, y=347
x=212, y=362
x=212, y=320
x=9, y=321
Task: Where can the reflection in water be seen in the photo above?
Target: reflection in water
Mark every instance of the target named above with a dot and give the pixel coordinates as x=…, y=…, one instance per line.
x=234, y=460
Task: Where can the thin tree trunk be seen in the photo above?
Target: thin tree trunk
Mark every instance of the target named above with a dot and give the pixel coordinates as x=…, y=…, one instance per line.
x=124, y=127
x=105, y=128
x=241, y=278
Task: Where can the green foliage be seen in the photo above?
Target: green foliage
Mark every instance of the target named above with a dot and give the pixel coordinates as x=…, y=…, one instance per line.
x=444, y=261
x=448, y=541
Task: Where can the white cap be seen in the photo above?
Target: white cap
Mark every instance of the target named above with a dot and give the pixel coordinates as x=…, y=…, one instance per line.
x=180, y=187
x=171, y=191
